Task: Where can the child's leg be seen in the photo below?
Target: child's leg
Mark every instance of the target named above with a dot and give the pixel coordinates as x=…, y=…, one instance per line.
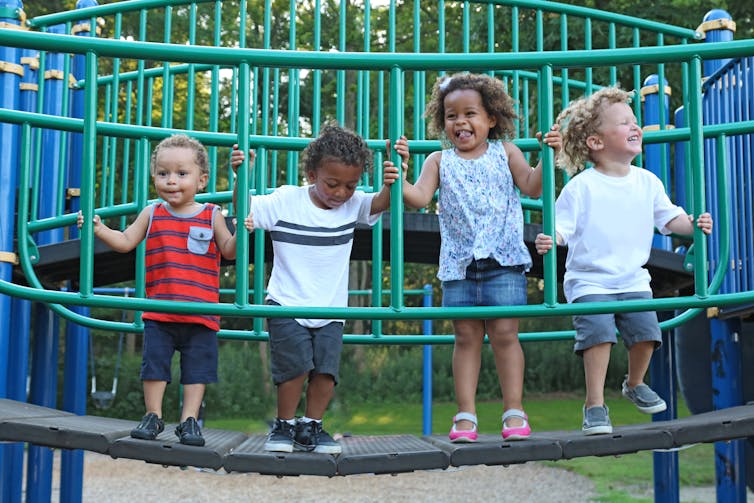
x=639, y=356
x=193, y=394
x=319, y=392
x=509, y=361
x=467, y=359
x=289, y=395
x=153, y=393
x=596, y=360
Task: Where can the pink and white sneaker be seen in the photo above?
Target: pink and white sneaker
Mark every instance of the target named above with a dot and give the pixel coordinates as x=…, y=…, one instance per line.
x=516, y=432
x=461, y=436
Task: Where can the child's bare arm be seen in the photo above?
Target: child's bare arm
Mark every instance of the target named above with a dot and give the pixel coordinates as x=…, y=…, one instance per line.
x=529, y=180
x=121, y=241
x=390, y=174
x=226, y=242
x=684, y=224
x=419, y=195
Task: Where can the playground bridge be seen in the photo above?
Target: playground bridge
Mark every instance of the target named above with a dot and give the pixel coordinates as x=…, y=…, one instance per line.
x=228, y=73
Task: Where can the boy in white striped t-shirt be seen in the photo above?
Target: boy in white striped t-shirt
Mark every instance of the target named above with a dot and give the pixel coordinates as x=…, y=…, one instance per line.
x=312, y=228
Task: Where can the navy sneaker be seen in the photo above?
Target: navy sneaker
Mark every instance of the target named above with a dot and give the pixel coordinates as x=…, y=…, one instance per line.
x=280, y=438
x=149, y=427
x=311, y=437
x=189, y=433
x=645, y=399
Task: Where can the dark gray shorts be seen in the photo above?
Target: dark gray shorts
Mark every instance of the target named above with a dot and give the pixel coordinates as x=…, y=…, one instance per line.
x=297, y=350
x=596, y=329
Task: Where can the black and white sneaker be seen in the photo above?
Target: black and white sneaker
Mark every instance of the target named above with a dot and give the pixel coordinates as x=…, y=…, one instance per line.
x=280, y=438
x=311, y=437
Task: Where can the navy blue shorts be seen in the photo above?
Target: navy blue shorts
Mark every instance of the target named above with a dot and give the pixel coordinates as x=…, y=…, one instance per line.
x=296, y=349
x=593, y=329
x=196, y=343
x=487, y=283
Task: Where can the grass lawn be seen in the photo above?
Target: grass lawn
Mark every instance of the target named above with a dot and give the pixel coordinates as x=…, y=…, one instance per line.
x=613, y=477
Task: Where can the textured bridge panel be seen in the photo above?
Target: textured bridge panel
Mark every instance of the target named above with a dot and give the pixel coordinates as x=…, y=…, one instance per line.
x=235, y=451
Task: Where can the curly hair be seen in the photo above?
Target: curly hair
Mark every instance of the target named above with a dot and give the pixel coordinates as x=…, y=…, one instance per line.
x=582, y=119
x=182, y=141
x=336, y=143
x=495, y=101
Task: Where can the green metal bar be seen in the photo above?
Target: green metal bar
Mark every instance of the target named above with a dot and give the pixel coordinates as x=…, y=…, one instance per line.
x=340, y=112
x=37, y=173
x=191, y=95
x=395, y=130
x=125, y=178
x=612, y=45
x=386, y=313
x=317, y=76
x=105, y=10
x=214, y=106
x=588, y=47
x=242, y=201
x=696, y=161
x=601, y=15
x=466, y=28
x=546, y=117
x=167, y=82
x=64, y=138
x=490, y=28
x=565, y=93
x=441, y=26
x=89, y=163
x=376, y=61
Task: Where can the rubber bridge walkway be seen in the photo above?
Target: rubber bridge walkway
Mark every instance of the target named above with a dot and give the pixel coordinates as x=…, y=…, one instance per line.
x=237, y=452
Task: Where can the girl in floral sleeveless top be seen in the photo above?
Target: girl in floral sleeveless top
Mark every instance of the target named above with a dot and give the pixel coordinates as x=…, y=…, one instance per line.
x=483, y=257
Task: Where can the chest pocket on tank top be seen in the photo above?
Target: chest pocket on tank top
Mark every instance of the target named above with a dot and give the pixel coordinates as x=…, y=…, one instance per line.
x=199, y=239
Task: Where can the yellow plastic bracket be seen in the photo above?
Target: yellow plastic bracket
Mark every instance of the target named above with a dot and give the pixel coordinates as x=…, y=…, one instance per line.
x=9, y=257
x=8, y=67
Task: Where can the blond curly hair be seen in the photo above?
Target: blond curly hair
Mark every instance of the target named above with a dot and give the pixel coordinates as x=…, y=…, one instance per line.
x=495, y=101
x=582, y=119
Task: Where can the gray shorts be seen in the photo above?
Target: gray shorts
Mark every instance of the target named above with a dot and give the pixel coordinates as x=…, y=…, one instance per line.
x=297, y=350
x=596, y=329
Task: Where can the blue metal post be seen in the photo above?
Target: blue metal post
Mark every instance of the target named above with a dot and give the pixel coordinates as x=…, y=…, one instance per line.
x=74, y=400
x=717, y=26
x=427, y=368
x=679, y=162
x=46, y=331
x=10, y=77
x=656, y=156
x=726, y=392
x=77, y=336
x=18, y=370
x=43, y=392
x=662, y=374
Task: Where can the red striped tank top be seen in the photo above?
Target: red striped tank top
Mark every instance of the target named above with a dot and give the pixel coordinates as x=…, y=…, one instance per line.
x=183, y=263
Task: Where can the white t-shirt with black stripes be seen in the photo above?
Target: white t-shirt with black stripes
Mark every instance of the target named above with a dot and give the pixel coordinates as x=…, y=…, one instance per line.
x=312, y=246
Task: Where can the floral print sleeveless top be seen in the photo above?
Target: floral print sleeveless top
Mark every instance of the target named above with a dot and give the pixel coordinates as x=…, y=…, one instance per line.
x=480, y=213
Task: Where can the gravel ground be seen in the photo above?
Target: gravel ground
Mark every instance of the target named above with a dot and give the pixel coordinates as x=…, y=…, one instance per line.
x=107, y=480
